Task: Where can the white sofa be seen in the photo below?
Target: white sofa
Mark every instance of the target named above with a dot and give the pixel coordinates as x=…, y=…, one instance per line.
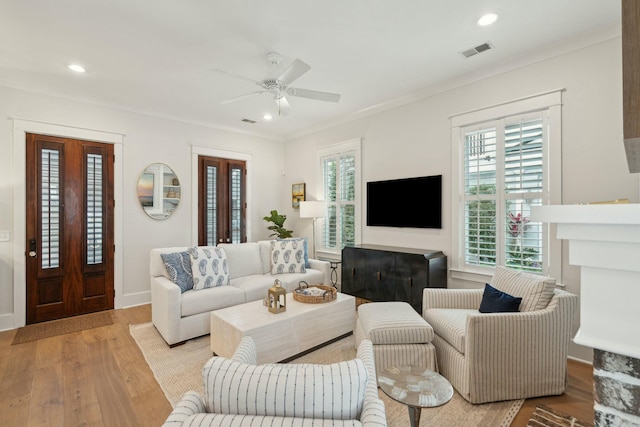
x=239, y=392
x=182, y=316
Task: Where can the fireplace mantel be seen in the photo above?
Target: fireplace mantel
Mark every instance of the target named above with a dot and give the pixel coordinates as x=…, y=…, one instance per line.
x=604, y=240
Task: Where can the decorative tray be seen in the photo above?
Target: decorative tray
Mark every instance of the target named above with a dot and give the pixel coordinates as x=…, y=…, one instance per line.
x=314, y=294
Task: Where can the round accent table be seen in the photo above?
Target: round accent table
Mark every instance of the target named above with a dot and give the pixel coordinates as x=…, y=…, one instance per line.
x=416, y=387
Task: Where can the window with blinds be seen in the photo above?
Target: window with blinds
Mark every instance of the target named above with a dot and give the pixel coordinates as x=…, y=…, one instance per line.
x=50, y=205
x=339, y=182
x=211, y=205
x=503, y=177
x=94, y=208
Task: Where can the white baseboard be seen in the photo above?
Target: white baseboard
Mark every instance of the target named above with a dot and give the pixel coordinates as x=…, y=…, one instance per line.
x=132, y=300
x=8, y=322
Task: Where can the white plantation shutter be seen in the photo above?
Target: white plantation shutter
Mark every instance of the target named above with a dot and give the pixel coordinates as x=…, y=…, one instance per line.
x=480, y=196
x=339, y=169
x=339, y=182
x=503, y=177
x=523, y=181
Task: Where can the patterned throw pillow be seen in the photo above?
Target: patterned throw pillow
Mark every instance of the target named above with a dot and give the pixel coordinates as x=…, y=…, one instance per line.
x=178, y=265
x=209, y=266
x=305, y=245
x=287, y=256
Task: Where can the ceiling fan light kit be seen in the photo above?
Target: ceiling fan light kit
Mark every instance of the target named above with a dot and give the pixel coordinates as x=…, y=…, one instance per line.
x=278, y=87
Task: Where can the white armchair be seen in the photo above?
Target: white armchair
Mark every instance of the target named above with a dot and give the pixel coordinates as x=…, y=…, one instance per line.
x=239, y=392
x=490, y=357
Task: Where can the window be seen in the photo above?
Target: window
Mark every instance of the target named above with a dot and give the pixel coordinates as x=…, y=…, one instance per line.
x=507, y=160
x=340, y=173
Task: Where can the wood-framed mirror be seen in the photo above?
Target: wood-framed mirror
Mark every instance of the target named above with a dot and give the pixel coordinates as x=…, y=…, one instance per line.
x=159, y=191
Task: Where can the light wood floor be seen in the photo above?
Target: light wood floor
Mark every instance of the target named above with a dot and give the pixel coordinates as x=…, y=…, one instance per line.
x=98, y=377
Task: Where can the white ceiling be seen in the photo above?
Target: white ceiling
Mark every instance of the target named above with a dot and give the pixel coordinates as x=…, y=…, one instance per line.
x=158, y=57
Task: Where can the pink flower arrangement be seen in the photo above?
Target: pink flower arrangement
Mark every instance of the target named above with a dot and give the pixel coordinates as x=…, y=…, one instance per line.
x=517, y=224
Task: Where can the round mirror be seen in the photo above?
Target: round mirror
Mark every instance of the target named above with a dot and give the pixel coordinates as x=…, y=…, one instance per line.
x=159, y=191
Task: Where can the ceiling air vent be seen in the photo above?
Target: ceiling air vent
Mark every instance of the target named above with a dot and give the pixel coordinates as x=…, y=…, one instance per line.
x=249, y=121
x=476, y=50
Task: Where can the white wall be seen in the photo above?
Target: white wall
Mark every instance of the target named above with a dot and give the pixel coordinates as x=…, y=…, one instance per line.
x=414, y=140
x=147, y=140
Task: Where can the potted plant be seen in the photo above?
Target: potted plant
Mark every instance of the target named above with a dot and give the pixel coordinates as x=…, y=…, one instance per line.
x=277, y=228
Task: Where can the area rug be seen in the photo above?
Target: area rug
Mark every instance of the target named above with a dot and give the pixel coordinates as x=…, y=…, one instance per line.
x=543, y=416
x=53, y=328
x=178, y=370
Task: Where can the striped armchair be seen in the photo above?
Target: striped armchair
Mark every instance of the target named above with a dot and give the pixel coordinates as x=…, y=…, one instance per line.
x=489, y=357
x=239, y=392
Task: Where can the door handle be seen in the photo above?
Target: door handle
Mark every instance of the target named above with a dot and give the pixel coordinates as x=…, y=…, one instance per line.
x=33, y=248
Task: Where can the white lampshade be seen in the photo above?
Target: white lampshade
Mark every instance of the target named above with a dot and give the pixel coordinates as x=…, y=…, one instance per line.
x=312, y=209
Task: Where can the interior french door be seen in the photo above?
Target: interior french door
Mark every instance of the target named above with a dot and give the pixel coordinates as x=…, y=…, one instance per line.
x=221, y=201
x=69, y=227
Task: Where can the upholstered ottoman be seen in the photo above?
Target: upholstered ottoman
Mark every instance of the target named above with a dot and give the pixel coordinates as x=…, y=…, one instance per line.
x=400, y=336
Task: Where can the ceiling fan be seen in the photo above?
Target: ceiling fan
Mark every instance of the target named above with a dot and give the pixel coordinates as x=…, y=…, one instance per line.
x=279, y=88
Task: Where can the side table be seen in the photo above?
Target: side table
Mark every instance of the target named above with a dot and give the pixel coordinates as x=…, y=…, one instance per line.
x=416, y=387
x=334, y=272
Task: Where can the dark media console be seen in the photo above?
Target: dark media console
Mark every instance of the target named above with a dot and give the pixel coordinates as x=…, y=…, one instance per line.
x=385, y=273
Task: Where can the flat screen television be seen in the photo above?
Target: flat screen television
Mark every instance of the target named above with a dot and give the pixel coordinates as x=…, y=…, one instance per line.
x=408, y=202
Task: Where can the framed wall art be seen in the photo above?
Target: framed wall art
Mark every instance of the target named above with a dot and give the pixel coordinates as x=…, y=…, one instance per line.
x=297, y=194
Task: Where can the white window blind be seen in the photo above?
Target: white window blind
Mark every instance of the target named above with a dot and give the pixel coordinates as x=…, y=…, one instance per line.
x=503, y=179
x=340, y=190
x=340, y=183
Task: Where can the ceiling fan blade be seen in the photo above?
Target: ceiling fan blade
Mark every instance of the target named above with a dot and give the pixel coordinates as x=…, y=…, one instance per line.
x=283, y=105
x=313, y=94
x=238, y=98
x=293, y=72
x=237, y=76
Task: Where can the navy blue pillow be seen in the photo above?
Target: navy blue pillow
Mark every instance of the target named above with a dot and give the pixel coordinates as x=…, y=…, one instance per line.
x=495, y=301
x=178, y=265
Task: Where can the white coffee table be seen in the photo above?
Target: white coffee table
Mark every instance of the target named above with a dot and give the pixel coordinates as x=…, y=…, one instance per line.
x=281, y=336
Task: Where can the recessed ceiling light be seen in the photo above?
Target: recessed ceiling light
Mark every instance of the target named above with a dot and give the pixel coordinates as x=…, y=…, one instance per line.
x=267, y=116
x=77, y=68
x=487, y=19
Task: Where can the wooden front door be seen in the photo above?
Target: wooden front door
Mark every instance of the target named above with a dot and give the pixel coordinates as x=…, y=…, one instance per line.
x=69, y=227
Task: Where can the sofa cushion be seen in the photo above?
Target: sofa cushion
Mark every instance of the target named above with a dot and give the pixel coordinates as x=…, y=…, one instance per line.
x=206, y=300
x=287, y=256
x=209, y=267
x=255, y=286
x=334, y=390
x=243, y=258
x=450, y=324
x=265, y=255
x=178, y=265
x=495, y=301
x=535, y=290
